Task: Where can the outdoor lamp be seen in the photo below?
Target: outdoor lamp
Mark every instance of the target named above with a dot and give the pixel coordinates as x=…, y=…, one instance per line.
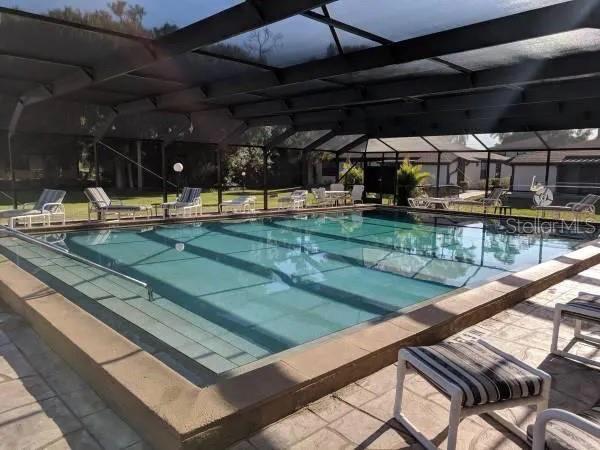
x=178, y=168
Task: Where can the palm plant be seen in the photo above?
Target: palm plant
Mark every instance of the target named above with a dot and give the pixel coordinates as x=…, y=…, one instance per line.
x=409, y=177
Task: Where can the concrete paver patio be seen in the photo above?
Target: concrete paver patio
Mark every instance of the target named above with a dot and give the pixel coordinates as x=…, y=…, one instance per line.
x=45, y=404
x=361, y=415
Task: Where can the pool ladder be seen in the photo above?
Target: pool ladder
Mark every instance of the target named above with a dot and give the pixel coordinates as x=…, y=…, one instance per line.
x=20, y=235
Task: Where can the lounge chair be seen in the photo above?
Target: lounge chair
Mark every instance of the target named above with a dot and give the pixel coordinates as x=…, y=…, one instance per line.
x=101, y=203
x=296, y=199
x=585, y=205
x=425, y=201
x=321, y=199
x=189, y=202
x=48, y=207
x=478, y=378
x=357, y=193
x=243, y=203
x=557, y=428
x=493, y=201
x=584, y=308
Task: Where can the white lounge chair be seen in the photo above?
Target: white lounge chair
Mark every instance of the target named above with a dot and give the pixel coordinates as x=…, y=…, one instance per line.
x=587, y=205
x=321, y=199
x=560, y=429
x=584, y=308
x=425, y=201
x=478, y=378
x=100, y=202
x=243, y=203
x=357, y=193
x=296, y=199
x=189, y=202
x=493, y=201
x=48, y=207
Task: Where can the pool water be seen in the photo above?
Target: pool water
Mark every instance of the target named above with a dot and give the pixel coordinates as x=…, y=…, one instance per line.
x=228, y=293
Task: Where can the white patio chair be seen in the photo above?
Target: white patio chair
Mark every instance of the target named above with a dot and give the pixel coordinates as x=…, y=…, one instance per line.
x=357, y=193
x=48, y=207
x=243, y=203
x=296, y=199
x=100, y=202
x=584, y=308
x=478, y=378
x=560, y=429
x=336, y=187
x=189, y=202
x=321, y=199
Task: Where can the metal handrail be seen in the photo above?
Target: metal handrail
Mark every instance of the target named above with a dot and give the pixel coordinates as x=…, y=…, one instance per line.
x=26, y=237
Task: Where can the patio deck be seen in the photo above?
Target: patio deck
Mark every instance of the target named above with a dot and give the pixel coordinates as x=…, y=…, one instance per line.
x=45, y=404
x=360, y=415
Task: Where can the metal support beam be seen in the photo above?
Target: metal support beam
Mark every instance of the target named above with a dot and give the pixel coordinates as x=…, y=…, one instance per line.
x=548, y=154
x=12, y=129
x=218, y=154
x=487, y=173
x=163, y=169
x=265, y=179
x=437, y=176
x=96, y=164
x=395, y=179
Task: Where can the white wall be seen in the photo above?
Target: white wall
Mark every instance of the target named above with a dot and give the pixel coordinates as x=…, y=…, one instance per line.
x=523, y=175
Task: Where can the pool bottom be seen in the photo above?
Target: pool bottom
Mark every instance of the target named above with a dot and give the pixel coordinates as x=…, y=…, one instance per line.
x=172, y=413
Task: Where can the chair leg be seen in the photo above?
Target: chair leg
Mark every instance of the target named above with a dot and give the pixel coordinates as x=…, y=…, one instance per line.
x=400, y=376
x=555, y=330
x=454, y=421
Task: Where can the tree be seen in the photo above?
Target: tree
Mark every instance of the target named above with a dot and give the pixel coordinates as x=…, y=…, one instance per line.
x=118, y=9
x=352, y=174
x=260, y=43
x=409, y=176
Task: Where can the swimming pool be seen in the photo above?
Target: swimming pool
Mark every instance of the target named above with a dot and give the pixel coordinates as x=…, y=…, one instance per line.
x=228, y=293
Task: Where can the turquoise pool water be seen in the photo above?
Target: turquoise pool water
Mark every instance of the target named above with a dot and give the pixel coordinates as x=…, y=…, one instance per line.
x=231, y=292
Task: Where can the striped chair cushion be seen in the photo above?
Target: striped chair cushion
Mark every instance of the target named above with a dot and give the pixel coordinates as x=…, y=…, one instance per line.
x=189, y=195
x=483, y=375
x=586, y=303
x=561, y=435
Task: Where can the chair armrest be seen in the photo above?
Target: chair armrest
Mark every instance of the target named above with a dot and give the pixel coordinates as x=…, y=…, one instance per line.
x=28, y=205
x=560, y=415
x=59, y=206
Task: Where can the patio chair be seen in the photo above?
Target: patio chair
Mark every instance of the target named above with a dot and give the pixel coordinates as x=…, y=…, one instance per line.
x=586, y=205
x=296, y=199
x=584, y=308
x=243, y=203
x=357, y=193
x=425, y=201
x=321, y=199
x=560, y=429
x=48, y=206
x=189, y=202
x=336, y=187
x=101, y=203
x=477, y=377
x=493, y=201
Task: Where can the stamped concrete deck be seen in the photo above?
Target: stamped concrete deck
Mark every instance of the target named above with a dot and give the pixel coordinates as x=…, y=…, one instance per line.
x=360, y=415
x=45, y=404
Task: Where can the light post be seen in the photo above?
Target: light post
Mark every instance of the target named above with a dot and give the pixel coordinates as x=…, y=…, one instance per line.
x=244, y=182
x=178, y=168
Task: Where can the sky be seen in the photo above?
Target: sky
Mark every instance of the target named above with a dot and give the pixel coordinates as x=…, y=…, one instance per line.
x=180, y=12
